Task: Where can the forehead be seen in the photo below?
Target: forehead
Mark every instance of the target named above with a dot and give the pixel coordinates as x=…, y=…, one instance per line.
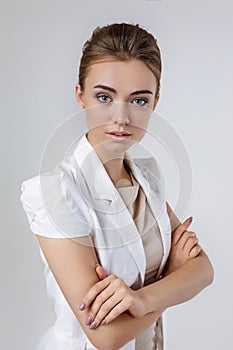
x=121, y=74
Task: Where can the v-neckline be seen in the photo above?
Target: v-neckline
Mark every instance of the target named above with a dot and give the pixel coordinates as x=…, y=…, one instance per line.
x=133, y=181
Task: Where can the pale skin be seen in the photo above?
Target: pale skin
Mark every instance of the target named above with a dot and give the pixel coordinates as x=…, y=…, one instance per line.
x=109, y=298
x=126, y=312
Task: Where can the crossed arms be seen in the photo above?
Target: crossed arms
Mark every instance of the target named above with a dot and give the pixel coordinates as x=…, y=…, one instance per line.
x=124, y=312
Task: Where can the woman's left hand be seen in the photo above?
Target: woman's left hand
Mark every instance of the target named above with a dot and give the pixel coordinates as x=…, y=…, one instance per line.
x=184, y=246
x=109, y=298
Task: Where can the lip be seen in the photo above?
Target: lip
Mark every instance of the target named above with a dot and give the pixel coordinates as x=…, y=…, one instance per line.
x=113, y=135
x=119, y=132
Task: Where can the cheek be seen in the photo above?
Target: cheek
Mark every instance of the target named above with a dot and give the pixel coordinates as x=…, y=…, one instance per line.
x=96, y=117
x=140, y=119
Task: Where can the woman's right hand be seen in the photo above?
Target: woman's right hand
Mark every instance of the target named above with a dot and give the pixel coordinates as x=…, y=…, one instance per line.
x=109, y=298
x=184, y=246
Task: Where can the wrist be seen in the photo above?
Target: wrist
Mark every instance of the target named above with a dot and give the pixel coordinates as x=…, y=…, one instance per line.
x=145, y=299
x=152, y=299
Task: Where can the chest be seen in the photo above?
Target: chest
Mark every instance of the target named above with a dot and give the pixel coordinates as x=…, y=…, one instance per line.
x=119, y=244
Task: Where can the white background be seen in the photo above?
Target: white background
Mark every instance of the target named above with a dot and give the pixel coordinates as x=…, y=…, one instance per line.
x=40, y=50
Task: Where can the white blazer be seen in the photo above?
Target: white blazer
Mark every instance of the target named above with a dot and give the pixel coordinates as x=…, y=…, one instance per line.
x=78, y=197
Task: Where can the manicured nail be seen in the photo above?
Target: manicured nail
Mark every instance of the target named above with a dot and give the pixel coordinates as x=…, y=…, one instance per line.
x=89, y=320
x=93, y=325
x=82, y=306
x=189, y=220
x=103, y=322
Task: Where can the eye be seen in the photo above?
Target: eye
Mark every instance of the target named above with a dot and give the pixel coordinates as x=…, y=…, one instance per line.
x=140, y=101
x=104, y=98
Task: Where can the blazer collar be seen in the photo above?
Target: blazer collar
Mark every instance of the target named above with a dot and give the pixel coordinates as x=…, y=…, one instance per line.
x=97, y=178
x=102, y=188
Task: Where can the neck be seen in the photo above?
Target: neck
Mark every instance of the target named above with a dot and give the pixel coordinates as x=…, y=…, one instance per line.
x=113, y=163
x=116, y=171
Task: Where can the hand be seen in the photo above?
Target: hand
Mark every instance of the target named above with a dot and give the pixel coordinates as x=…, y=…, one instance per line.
x=184, y=246
x=109, y=298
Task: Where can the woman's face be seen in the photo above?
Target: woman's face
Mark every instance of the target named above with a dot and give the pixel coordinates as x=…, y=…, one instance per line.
x=118, y=98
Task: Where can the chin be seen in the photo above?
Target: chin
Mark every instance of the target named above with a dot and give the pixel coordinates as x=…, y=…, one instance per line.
x=116, y=146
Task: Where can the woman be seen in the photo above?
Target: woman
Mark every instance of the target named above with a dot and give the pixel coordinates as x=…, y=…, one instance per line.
x=119, y=257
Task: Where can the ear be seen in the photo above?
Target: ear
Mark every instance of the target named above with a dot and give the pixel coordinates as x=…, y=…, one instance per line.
x=156, y=101
x=79, y=95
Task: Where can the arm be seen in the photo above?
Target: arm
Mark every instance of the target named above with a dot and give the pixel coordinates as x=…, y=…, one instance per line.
x=180, y=285
x=73, y=265
x=188, y=271
x=185, y=281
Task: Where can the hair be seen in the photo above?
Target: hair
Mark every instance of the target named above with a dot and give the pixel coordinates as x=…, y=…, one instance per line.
x=121, y=41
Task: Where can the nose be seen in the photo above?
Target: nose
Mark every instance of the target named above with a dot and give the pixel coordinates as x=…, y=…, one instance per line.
x=120, y=113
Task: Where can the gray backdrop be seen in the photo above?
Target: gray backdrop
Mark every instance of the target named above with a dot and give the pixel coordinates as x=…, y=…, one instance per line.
x=40, y=49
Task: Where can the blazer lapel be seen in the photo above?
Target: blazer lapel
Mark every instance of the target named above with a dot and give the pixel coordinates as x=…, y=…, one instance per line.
x=157, y=203
x=106, y=200
x=128, y=233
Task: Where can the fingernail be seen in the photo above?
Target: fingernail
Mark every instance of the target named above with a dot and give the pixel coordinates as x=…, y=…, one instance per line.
x=96, y=265
x=93, y=325
x=189, y=220
x=89, y=320
x=82, y=306
x=103, y=322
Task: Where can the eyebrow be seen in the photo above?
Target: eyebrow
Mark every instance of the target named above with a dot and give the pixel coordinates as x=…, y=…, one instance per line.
x=114, y=91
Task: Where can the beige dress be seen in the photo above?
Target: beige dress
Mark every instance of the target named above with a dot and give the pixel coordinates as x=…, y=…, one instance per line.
x=136, y=202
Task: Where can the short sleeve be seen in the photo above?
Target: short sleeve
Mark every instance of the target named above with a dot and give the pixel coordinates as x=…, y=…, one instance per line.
x=54, y=206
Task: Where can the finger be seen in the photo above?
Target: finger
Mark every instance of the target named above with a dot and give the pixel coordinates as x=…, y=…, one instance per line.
x=114, y=313
x=100, y=300
x=191, y=242
x=180, y=230
x=110, y=310
x=187, y=238
x=101, y=273
x=95, y=290
x=195, y=251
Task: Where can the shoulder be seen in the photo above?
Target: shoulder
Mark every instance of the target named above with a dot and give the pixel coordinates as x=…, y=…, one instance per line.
x=148, y=165
x=32, y=189
x=54, y=203
x=63, y=177
x=151, y=170
x=150, y=175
